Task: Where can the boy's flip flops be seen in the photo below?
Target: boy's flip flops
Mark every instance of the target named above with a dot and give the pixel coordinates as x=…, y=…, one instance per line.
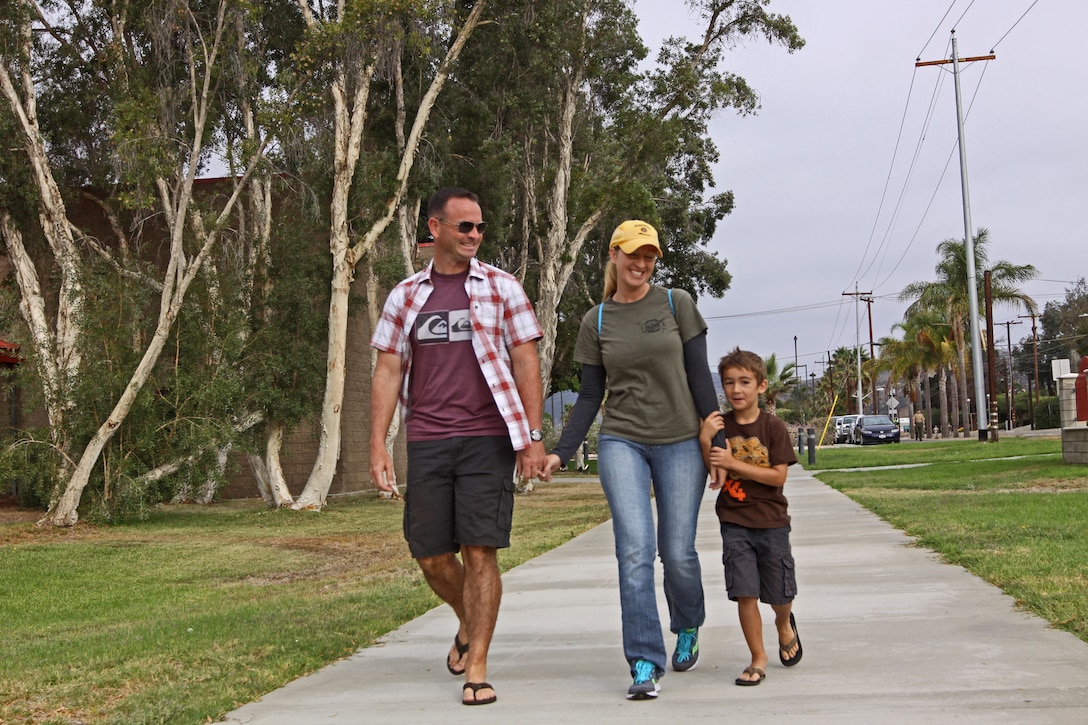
x=783, y=649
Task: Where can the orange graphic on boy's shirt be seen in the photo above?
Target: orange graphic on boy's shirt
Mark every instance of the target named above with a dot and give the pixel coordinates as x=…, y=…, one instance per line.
x=749, y=450
x=734, y=489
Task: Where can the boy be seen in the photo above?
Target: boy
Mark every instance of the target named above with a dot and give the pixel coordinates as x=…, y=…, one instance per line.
x=753, y=510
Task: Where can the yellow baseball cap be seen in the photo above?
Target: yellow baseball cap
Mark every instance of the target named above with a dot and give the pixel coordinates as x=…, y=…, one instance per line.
x=634, y=234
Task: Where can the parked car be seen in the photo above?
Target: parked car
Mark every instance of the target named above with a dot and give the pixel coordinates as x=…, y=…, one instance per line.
x=845, y=431
x=875, y=429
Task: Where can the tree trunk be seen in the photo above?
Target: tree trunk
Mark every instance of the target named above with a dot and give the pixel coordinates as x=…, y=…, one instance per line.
x=212, y=481
x=271, y=483
x=942, y=398
x=277, y=482
x=928, y=388
x=56, y=348
x=954, y=399
x=260, y=473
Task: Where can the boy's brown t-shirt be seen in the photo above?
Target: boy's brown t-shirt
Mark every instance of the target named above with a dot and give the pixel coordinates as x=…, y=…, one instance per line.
x=764, y=442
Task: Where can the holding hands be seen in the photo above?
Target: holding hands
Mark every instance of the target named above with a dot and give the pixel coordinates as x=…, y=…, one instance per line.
x=717, y=459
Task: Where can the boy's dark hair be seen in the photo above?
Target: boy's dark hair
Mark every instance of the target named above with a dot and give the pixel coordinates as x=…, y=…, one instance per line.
x=744, y=360
x=437, y=203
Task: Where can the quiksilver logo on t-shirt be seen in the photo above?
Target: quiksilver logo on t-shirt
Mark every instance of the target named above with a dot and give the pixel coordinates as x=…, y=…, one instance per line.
x=442, y=326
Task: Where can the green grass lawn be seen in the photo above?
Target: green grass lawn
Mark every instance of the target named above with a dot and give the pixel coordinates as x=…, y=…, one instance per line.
x=956, y=449
x=1010, y=512
x=186, y=616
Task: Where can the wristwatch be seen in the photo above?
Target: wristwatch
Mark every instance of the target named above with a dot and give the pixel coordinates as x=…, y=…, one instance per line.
x=536, y=434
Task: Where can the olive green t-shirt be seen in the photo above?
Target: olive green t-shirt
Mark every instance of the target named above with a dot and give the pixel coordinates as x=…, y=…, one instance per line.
x=641, y=347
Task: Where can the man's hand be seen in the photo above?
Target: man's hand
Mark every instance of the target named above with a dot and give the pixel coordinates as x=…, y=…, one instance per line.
x=531, y=461
x=381, y=469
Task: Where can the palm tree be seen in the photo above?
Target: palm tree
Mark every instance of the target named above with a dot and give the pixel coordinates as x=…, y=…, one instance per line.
x=929, y=331
x=901, y=359
x=844, y=378
x=779, y=382
x=950, y=293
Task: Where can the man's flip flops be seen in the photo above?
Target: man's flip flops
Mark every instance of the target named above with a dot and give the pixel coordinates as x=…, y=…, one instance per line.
x=476, y=687
x=783, y=649
x=462, y=648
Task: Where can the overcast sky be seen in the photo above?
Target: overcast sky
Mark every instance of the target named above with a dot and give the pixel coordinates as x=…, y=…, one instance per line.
x=850, y=173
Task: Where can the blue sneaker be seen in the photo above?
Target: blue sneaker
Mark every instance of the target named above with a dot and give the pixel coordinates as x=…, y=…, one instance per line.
x=687, y=650
x=645, y=685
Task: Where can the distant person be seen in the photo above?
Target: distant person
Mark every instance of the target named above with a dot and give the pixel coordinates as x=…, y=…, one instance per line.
x=457, y=343
x=918, y=425
x=753, y=510
x=580, y=458
x=646, y=346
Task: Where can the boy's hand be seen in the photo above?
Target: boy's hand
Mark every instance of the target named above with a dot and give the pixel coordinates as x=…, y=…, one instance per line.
x=722, y=457
x=718, y=477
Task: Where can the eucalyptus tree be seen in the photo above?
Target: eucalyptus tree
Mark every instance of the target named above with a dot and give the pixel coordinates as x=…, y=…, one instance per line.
x=1064, y=324
x=131, y=106
x=950, y=293
x=346, y=56
x=565, y=135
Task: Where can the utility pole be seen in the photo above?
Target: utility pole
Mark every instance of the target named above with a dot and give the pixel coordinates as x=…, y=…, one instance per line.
x=991, y=397
x=972, y=281
x=795, y=366
x=1035, y=348
x=857, y=347
x=872, y=353
x=1008, y=340
x=1032, y=400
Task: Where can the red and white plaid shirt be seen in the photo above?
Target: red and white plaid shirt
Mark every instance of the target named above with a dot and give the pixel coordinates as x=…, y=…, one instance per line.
x=502, y=318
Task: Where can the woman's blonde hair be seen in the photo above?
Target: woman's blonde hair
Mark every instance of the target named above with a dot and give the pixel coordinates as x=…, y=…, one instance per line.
x=610, y=280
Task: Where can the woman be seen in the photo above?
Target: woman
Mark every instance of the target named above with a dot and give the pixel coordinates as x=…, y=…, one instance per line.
x=647, y=345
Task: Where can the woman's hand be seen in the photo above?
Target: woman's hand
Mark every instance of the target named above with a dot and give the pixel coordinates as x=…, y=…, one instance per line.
x=551, y=465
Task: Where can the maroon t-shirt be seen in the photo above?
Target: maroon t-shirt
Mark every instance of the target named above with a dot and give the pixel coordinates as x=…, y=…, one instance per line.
x=764, y=442
x=449, y=394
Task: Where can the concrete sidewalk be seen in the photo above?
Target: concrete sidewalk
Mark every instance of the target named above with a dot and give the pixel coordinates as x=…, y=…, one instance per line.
x=890, y=635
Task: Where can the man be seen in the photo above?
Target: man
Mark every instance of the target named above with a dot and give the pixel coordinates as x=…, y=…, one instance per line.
x=918, y=425
x=458, y=341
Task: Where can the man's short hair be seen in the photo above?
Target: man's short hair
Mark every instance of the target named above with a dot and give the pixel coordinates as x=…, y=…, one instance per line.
x=744, y=360
x=437, y=203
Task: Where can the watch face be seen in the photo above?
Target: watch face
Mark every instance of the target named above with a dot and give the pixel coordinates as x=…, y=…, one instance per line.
x=536, y=435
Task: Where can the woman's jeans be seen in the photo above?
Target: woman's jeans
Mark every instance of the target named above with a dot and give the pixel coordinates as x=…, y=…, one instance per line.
x=678, y=476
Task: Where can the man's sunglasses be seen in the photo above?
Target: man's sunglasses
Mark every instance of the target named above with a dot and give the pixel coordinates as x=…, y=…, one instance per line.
x=465, y=227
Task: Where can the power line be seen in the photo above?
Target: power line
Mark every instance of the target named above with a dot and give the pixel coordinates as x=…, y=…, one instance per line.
x=936, y=187
x=946, y=12
x=956, y=24
x=1013, y=26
